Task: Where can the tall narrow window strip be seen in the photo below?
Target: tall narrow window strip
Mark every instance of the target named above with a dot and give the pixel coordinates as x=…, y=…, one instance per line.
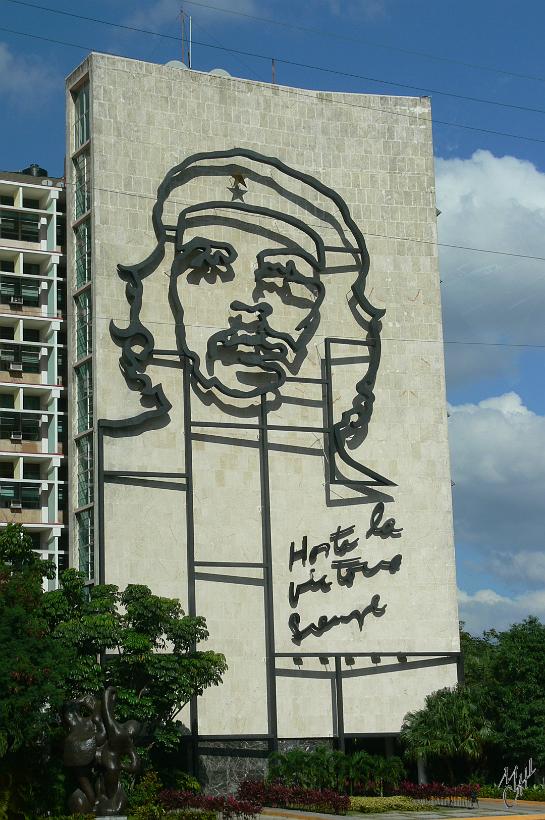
x=81, y=116
x=83, y=324
x=86, y=546
x=82, y=189
x=84, y=383
x=83, y=253
x=85, y=470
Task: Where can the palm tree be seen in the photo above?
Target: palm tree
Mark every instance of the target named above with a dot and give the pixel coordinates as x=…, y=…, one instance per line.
x=450, y=726
x=360, y=769
x=388, y=770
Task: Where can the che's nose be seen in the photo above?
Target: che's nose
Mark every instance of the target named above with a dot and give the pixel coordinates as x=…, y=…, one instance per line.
x=262, y=308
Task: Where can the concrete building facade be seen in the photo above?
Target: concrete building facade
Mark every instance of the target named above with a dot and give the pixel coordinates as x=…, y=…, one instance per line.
x=259, y=415
x=33, y=404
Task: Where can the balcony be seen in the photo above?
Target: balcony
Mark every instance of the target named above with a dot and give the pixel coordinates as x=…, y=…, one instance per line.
x=27, y=501
x=29, y=431
x=29, y=362
x=22, y=228
x=22, y=295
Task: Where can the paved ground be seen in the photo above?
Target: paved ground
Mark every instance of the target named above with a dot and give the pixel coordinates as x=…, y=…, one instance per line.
x=486, y=809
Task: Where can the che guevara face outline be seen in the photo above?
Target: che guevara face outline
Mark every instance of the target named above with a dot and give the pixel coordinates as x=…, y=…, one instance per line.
x=137, y=340
x=251, y=336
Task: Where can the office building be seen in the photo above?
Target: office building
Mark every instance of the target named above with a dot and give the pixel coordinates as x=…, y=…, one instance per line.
x=33, y=404
x=259, y=412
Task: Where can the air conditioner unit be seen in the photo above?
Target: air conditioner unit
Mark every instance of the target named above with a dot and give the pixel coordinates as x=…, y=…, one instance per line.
x=16, y=367
x=15, y=506
x=16, y=435
x=16, y=301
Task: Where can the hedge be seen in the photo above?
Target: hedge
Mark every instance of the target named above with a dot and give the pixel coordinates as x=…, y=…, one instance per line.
x=277, y=795
x=376, y=805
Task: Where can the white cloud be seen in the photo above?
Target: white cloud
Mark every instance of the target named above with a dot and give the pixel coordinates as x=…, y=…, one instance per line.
x=498, y=466
x=25, y=80
x=526, y=566
x=498, y=203
x=485, y=609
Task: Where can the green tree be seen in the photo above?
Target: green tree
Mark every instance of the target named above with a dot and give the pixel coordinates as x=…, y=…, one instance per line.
x=33, y=669
x=33, y=665
x=141, y=643
x=517, y=699
x=451, y=727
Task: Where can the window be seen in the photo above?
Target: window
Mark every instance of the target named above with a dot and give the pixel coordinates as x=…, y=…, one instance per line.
x=7, y=493
x=7, y=199
x=83, y=253
x=19, y=226
x=8, y=356
x=30, y=359
x=6, y=332
x=30, y=202
x=61, y=231
x=31, y=334
x=61, y=299
x=9, y=422
x=61, y=363
x=86, y=547
x=7, y=265
x=83, y=324
x=15, y=290
x=30, y=428
x=6, y=469
x=81, y=116
x=31, y=403
x=84, y=382
x=7, y=401
x=36, y=539
x=85, y=470
x=31, y=470
x=31, y=268
x=82, y=191
x=30, y=496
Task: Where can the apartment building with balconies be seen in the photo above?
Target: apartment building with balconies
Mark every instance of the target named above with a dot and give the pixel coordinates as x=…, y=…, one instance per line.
x=33, y=402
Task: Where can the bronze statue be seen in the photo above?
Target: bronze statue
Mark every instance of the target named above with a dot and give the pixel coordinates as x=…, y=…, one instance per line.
x=98, y=748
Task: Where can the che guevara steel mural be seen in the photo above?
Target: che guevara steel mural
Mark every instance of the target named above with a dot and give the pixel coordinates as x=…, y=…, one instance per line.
x=250, y=354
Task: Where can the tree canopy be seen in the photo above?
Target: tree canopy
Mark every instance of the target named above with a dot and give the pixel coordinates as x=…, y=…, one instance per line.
x=141, y=643
x=451, y=726
x=33, y=664
x=74, y=641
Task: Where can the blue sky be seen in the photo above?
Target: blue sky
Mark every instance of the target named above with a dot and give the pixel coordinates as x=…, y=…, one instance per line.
x=490, y=188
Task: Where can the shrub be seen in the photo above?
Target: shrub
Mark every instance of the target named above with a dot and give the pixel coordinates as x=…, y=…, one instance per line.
x=376, y=805
x=228, y=806
x=149, y=811
x=536, y=792
x=186, y=782
x=430, y=791
x=146, y=791
x=277, y=795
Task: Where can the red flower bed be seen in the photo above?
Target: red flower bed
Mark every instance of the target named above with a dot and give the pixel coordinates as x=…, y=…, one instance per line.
x=294, y=797
x=228, y=806
x=429, y=791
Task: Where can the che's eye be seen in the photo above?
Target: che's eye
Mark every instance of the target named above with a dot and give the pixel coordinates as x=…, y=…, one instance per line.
x=208, y=258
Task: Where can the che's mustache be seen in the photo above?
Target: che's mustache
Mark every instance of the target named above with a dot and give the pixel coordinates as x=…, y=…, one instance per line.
x=269, y=344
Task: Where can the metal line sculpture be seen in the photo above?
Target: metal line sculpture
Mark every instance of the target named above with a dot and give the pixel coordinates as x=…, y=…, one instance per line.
x=269, y=349
x=97, y=749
